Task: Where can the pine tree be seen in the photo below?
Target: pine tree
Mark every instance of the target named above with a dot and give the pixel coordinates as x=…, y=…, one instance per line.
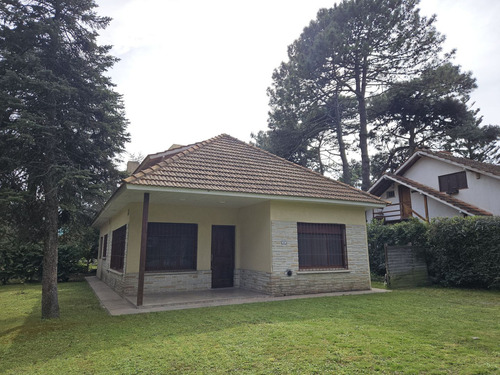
x=356, y=49
x=61, y=122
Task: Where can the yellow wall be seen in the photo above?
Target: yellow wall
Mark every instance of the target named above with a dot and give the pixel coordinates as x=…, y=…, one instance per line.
x=255, y=238
x=205, y=217
x=116, y=222
x=253, y=227
x=317, y=213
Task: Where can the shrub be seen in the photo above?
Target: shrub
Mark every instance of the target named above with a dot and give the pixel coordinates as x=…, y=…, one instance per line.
x=69, y=262
x=23, y=262
x=20, y=262
x=465, y=252
x=412, y=231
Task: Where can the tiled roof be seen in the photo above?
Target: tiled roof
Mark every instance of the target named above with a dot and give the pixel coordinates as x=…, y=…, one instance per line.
x=457, y=203
x=492, y=169
x=226, y=164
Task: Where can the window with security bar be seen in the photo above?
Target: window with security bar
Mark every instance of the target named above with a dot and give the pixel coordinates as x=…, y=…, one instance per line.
x=104, y=246
x=118, y=241
x=171, y=247
x=321, y=246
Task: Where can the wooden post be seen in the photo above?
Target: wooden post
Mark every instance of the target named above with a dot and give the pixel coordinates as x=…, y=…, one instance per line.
x=144, y=241
x=426, y=208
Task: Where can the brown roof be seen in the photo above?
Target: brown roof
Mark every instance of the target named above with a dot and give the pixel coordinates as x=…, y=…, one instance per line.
x=226, y=164
x=461, y=205
x=467, y=163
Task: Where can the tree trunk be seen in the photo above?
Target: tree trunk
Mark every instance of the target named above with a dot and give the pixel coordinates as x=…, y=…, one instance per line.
x=363, y=143
x=411, y=142
x=50, y=303
x=321, y=166
x=346, y=170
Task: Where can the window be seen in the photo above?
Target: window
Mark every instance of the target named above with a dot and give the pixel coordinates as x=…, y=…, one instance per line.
x=321, y=246
x=118, y=248
x=105, y=246
x=451, y=183
x=171, y=247
x=390, y=194
x=100, y=249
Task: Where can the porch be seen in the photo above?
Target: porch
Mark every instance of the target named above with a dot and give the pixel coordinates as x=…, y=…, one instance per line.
x=117, y=305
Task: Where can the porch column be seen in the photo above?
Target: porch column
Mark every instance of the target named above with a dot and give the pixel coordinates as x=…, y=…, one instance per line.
x=144, y=241
x=426, y=208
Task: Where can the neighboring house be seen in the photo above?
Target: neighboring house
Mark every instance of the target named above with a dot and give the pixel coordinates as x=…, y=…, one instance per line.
x=222, y=213
x=437, y=184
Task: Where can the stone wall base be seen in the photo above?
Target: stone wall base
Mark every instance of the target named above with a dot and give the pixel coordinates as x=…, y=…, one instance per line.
x=113, y=280
x=279, y=284
x=310, y=283
x=257, y=281
x=159, y=282
x=275, y=283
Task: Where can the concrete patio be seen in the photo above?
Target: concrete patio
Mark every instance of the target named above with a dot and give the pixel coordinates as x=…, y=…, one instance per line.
x=117, y=305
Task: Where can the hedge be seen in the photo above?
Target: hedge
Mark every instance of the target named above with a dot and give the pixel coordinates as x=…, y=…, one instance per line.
x=23, y=262
x=465, y=252
x=460, y=252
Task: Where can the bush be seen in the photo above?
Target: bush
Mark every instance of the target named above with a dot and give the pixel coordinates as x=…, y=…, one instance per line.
x=412, y=231
x=69, y=262
x=20, y=262
x=465, y=252
x=23, y=262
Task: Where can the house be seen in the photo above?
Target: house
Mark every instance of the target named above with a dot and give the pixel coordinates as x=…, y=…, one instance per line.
x=437, y=184
x=223, y=213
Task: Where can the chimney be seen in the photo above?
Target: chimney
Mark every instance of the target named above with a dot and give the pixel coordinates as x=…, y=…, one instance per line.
x=174, y=146
x=132, y=166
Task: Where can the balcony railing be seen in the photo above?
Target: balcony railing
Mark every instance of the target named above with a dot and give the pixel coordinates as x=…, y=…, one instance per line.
x=394, y=212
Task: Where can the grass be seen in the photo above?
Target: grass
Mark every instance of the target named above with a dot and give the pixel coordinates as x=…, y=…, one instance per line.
x=425, y=330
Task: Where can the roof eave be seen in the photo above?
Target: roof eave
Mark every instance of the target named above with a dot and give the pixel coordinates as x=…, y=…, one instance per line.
x=374, y=188
x=408, y=163
x=431, y=196
x=116, y=193
x=146, y=188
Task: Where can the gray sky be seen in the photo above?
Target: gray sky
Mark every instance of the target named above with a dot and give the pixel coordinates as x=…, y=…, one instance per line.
x=191, y=70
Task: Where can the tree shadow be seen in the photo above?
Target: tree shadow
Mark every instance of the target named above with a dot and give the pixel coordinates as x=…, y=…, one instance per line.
x=85, y=330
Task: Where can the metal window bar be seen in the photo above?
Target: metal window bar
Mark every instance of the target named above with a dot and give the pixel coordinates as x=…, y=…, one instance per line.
x=321, y=246
x=171, y=247
x=118, y=248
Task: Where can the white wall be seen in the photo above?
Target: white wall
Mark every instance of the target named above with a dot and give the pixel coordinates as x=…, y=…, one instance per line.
x=483, y=192
x=427, y=170
x=395, y=199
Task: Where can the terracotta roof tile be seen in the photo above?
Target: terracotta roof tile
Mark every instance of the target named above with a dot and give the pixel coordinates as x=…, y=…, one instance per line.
x=226, y=164
x=461, y=205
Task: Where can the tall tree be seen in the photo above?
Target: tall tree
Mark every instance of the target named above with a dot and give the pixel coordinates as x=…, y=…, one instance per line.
x=476, y=142
x=422, y=112
x=304, y=126
x=357, y=48
x=61, y=122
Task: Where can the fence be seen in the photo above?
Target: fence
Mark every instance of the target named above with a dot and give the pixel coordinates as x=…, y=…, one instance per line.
x=405, y=267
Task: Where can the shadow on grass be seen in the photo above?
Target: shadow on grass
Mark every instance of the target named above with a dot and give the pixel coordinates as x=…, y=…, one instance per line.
x=87, y=331
x=87, y=334
x=19, y=307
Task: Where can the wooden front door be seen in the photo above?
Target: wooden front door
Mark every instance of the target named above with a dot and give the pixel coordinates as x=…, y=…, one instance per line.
x=222, y=256
x=405, y=200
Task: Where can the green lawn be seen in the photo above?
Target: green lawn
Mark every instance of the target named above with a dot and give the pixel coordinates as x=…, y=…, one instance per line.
x=427, y=330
